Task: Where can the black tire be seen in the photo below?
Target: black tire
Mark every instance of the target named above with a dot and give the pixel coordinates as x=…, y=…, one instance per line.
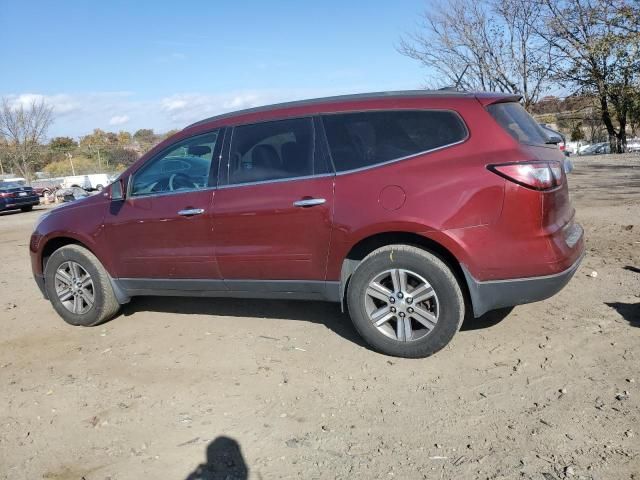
x=27, y=209
x=99, y=188
x=105, y=304
x=451, y=305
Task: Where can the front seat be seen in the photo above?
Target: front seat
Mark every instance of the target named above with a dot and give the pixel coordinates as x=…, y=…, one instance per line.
x=264, y=163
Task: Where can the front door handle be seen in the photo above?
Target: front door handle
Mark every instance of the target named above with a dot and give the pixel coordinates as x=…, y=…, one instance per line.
x=190, y=212
x=309, y=202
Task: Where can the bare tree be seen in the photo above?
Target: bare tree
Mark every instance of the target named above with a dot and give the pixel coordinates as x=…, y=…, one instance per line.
x=597, y=43
x=487, y=45
x=24, y=129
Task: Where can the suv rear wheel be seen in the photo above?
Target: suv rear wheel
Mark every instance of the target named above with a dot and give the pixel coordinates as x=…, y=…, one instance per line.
x=405, y=301
x=78, y=287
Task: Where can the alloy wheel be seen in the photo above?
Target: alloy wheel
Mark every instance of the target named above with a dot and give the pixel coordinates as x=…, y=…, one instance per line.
x=74, y=287
x=402, y=305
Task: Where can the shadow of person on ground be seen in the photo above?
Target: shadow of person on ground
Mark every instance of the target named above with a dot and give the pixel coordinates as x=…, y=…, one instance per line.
x=224, y=462
x=629, y=311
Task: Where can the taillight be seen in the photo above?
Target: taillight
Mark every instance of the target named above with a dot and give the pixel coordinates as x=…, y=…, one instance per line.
x=5, y=194
x=535, y=175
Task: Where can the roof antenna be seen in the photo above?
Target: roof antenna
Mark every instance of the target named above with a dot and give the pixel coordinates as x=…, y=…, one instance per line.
x=459, y=79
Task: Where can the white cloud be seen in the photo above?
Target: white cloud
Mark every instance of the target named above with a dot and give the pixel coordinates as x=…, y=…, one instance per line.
x=186, y=108
x=62, y=103
x=172, y=104
x=243, y=101
x=119, y=120
x=78, y=114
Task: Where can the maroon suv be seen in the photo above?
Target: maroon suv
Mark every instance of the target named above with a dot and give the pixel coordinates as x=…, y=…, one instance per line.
x=412, y=209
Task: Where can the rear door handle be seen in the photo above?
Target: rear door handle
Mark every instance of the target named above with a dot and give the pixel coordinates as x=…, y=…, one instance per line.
x=309, y=202
x=190, y=212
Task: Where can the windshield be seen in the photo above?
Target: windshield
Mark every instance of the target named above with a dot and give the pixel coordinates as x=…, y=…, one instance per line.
x=520, y=125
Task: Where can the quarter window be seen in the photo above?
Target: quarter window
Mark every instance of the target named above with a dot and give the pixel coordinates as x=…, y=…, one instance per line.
x=363, y=139
x=514, y=119
x=186, y=166
x=272, y=150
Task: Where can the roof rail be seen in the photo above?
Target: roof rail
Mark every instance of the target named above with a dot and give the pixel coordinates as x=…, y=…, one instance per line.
x=337, y=98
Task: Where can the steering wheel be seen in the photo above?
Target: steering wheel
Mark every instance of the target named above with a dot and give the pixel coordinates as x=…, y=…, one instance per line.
x=180, y=180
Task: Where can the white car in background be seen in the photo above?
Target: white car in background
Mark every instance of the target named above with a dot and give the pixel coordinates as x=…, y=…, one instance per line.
x=81, y=181
x=90, y=182
x=97, y=181
x=633, y=145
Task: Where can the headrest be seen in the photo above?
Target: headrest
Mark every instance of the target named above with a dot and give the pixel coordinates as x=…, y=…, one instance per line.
x=198, y=150
x=264, y=156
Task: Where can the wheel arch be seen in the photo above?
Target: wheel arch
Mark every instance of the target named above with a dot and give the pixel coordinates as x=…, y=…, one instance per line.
x=368, y=244
x=55, y=243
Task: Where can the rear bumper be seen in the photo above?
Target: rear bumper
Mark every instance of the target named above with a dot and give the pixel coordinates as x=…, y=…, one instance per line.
x=15, y=203
x=491, y=295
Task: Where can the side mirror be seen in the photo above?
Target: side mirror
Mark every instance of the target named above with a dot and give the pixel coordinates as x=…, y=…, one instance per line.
x=118, y=190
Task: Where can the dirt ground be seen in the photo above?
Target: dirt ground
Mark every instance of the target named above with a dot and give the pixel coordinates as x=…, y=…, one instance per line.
x=199, y=389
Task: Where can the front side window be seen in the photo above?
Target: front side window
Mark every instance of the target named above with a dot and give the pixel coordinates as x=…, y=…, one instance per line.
x=185, y=166
x=364, y=139
x=272, y=151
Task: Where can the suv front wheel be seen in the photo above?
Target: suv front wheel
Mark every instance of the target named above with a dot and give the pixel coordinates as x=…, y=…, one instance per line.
x=78, y=287
x=405, y=301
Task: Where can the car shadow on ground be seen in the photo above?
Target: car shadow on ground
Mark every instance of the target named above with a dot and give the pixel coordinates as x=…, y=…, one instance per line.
x=629, y=311
x=325, y=313
x=487, y=320
x=224, y=461
x=6, y=213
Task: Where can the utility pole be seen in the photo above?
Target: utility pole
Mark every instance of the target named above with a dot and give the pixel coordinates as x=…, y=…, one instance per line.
x=69, y=156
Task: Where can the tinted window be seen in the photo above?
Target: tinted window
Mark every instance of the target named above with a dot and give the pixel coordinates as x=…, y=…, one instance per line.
x=515, y=120
x=363, y=139
x=185, y=166
x=271, y=151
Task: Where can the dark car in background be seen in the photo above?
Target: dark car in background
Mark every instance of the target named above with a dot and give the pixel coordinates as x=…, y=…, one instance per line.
x=15, y=196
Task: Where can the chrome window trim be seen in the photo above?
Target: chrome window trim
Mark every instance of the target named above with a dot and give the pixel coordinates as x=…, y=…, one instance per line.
x=277, y=180
x=400, y=159
x=166, y=194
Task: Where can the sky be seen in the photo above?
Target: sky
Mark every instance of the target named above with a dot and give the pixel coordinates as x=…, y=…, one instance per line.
x=125, y=65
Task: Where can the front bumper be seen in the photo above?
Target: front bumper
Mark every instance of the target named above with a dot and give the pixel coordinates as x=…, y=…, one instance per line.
x=491, y=295
x=40, y=282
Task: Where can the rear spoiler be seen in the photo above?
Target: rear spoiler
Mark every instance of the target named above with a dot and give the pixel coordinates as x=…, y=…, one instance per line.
x=492, y=98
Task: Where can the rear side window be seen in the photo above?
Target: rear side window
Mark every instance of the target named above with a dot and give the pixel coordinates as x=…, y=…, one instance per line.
x=272, y=150
x=363, y=139
x=518, y=123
